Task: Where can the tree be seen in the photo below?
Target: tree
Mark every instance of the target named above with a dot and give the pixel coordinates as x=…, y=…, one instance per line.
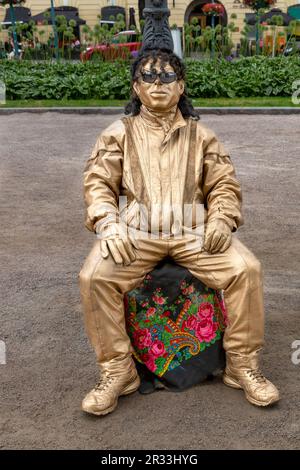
x=259, y=7
x=11, y=4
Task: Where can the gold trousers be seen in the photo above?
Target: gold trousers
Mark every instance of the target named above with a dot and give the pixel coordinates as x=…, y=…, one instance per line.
x=103, y=284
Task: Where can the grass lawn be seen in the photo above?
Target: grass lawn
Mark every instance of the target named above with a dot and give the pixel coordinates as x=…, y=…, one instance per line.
x=199, y=102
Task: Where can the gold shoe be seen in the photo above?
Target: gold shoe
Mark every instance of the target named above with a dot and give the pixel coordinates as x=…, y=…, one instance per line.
x=242, y=371
x=103, y=399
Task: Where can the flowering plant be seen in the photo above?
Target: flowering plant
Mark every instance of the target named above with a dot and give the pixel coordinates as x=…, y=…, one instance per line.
x=213, y=9
x=257, y=4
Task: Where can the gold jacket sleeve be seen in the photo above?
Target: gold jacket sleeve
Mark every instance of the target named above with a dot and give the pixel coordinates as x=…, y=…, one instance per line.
x=103, y=175
x=221, y=189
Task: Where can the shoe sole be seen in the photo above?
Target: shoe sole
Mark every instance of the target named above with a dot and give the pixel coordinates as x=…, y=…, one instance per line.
x=234, y=384
x=131, y=388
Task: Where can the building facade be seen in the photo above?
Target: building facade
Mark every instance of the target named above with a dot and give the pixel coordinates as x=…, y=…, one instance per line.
x=182, y=11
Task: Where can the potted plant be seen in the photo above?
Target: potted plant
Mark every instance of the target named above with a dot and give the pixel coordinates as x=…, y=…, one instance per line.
x=213, y=9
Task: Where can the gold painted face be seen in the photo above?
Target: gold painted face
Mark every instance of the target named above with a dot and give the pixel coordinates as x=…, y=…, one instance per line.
x=158, y=96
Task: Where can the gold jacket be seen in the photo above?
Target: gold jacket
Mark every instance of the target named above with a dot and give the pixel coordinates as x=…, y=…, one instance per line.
x=159, y=159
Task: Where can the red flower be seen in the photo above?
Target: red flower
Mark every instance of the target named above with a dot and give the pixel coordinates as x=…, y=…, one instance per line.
x=187, y=304
x=257, y=4
x=157, y=348
x=142, y=338
x=206, y=330
x=190, y=323
x=14, y=2
x=158, y=300
x=148, y=360
x=205, y=311
x=167, y=313
x=188, y=290
x=214, y=9
x=151, y=311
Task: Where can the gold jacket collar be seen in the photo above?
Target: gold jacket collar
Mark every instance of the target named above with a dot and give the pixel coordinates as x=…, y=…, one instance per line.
x=169, y=121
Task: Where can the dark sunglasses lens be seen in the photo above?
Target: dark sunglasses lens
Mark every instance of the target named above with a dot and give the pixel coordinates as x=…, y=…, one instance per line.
x=167, y=77
x=149, y=77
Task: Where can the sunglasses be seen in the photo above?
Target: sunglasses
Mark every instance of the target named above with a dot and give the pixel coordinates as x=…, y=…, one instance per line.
x=164, y=77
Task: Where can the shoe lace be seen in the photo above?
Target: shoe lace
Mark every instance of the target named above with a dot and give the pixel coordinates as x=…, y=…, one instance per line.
x=257, y=375
x=104, y=382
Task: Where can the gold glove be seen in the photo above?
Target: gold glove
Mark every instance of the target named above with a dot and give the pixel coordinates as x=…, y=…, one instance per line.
x=217, y=236
x=115, y=239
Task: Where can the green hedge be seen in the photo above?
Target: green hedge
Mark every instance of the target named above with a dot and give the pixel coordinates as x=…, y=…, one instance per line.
x=29, y=80
x=250, y=76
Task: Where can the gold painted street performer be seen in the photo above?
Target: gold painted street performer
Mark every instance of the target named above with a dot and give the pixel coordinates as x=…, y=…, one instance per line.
x=161, y=158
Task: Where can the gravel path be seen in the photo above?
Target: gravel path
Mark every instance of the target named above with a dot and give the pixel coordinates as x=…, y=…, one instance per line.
x=50, y=365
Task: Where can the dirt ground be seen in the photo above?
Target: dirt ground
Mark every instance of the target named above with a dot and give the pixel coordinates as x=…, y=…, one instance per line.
x=50, y=365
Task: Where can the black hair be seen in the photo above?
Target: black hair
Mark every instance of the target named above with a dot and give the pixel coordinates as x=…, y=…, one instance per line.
x=184, y=104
